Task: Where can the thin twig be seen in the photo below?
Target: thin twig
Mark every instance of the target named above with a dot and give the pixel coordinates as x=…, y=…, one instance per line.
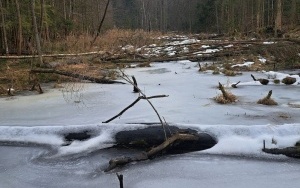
x=132, y=104
x=126, y=78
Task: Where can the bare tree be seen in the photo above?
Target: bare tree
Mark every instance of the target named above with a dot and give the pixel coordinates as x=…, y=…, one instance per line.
x=101, y=23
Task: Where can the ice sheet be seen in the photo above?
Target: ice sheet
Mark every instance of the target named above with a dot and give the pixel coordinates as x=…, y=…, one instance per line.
x=32, y=129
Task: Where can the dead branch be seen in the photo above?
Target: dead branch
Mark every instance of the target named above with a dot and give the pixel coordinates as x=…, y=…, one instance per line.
x=135, y=89
x=76, y=75
x=261, y=80
x=253, y=77
x=235, y=85
x=125, y=77
x=154, y=151
x=120, y=178
x=132, y=104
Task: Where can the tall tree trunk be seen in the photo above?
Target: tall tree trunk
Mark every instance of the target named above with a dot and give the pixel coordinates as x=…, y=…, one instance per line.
x=101, y=23
x=278, y=20
x=20, y=35
x=293, y=20
x=42, y=16
x=258, y=15
x=36, y=33
x=4, y=29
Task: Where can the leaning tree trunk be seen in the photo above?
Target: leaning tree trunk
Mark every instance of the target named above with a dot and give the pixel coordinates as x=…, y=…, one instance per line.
x=36, y=33
x=101, y=23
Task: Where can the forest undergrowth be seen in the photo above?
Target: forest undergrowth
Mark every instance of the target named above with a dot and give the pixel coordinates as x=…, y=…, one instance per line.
x=118, y=48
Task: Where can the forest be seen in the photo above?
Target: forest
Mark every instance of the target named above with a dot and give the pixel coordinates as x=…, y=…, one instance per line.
x=57, y=19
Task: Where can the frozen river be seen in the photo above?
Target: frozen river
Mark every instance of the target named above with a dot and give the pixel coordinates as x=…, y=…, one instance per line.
x=32, y=128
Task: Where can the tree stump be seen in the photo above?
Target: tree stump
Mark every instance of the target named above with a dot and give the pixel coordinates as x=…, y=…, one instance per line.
x=267, y=100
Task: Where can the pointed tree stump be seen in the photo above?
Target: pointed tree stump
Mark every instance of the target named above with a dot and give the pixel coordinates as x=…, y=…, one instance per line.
x=224, y=93
x=267, y=100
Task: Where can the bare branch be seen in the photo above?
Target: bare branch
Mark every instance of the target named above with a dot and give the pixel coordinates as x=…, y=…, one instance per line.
x=132, y=104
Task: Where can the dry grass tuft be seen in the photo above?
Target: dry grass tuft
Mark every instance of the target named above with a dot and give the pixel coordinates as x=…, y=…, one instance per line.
x=276, y=81
x=229, y=73
x=266, y=101
x=13, y=77
x=230, y=99
x=145, y=64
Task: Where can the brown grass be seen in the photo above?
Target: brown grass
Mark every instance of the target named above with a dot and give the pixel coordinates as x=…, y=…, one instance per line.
x=13, y=77
x=229, y=73
x=220, y=98
x=266, y=101
x=111, y=41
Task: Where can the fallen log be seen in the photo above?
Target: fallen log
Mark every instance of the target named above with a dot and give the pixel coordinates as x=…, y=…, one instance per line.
x=154, y=135
x=50, y=55
x=289, y=151
x=184, y=140
x=76, y=75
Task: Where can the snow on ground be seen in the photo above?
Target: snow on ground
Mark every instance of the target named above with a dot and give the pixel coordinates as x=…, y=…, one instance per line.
x=246, y=64
x=32, y=128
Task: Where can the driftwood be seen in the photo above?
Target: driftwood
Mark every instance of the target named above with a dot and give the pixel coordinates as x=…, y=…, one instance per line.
x=132, y=104
x=76, y=75
x=175, y=138
x=235, y=85
x=261, y=80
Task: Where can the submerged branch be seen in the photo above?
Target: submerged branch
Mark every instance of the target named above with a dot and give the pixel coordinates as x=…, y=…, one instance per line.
x=113, y=163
